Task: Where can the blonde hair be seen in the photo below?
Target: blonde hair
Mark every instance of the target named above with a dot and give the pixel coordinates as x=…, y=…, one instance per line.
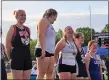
x=16, y=12
x=90, y=43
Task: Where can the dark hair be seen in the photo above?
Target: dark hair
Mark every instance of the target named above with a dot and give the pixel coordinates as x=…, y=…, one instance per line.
x=78, y=34
x=50, y=12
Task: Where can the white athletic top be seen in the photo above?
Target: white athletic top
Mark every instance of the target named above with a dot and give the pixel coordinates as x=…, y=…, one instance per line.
x=50, y=37
x=66, y=56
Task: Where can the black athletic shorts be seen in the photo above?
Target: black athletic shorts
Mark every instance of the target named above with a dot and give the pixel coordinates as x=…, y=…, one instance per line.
x=21, y=59
x=82, y=70
x=3, y=71
x=66, y=68
x=38, y=53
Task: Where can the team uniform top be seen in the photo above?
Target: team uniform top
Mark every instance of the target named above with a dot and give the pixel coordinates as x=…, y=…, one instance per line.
x=68, y=53
x=50, y=37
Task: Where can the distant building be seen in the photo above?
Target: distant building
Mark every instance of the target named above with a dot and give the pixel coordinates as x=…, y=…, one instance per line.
x=103, y=39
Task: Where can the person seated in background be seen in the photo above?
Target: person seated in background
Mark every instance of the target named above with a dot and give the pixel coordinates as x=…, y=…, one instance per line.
x=107, y=66
x=104, y=69
x=2, y=51
x=33, y=72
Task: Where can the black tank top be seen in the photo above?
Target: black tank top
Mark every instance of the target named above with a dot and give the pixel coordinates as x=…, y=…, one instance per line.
x=80, y=55
x=21, y=38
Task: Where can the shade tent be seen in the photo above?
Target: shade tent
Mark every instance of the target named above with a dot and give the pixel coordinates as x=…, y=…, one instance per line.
x=100, y=50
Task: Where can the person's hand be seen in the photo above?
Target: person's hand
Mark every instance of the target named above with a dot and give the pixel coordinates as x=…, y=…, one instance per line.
x=101, y=77
x=89, y=78
x=43, y=54
x=54, y=71
x=9, y=62
x=55, y=66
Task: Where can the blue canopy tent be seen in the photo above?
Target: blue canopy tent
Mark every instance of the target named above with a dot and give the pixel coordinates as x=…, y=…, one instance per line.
x=100, y=51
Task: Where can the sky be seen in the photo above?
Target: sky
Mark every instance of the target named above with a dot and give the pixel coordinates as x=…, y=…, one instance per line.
x=73, y=13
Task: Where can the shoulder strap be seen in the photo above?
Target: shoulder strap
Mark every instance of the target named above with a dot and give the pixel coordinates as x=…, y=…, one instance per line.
x=28, y=30
x=76, y=45
x=83, y=51
x=90, y=55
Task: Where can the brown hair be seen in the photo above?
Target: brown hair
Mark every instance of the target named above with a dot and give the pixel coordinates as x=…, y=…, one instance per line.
x=65, y=36
x=90, y=43
x=78, y=34
x=50, y=12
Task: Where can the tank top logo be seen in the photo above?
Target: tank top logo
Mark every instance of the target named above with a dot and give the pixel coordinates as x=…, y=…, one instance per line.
x=83, y=57
x=97, y=61
x=24, y=37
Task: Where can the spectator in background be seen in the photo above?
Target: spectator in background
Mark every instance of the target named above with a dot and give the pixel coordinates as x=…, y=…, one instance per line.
x=2, y=51
x=107, y=65
x=34, y=72
x=104, y=69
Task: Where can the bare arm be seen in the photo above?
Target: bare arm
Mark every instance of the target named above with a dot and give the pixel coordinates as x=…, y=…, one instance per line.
x=8, y=41
x=42, y=27
x=59, y=46
x=87, y=61
x=29, y=31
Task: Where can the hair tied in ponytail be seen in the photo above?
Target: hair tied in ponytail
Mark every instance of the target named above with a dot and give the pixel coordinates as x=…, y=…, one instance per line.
x=14, y=12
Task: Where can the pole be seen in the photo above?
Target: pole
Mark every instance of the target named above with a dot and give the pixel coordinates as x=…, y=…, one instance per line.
x=90, y=21
x=108, y=28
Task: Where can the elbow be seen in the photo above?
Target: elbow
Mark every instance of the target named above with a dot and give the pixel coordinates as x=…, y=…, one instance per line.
x=41, y=35
x=55, y=53
x=8, y=45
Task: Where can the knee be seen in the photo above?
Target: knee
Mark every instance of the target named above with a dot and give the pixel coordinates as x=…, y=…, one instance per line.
x=49, y=73
x=41, y=73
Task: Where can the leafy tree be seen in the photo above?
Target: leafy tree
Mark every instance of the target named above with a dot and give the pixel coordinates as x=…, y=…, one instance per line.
x=32, y=48
x=87, y=34
x=106, y=28
x=59, y=35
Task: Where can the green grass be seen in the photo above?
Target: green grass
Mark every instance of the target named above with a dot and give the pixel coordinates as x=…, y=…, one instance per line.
x=9, y=77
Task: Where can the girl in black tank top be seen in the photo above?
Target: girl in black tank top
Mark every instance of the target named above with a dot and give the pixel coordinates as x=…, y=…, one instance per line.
x=21, y=37
x=18, y=47
x=21, y=49
x=79, y=38
x=81, y=64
